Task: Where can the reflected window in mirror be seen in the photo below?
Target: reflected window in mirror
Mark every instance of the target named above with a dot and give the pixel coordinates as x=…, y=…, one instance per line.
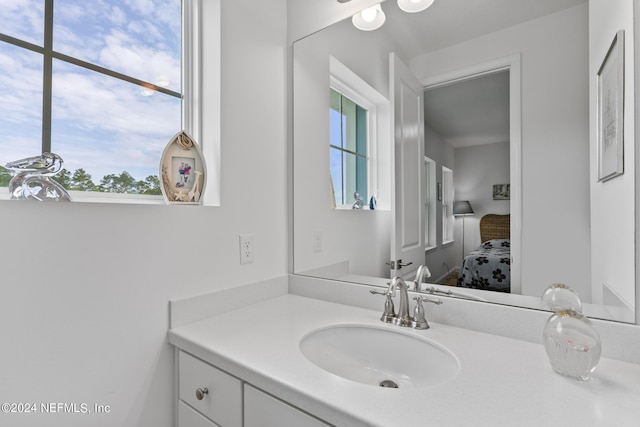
x=430, y=203
x=359, y=138
x=447, y=205
x=348, y=149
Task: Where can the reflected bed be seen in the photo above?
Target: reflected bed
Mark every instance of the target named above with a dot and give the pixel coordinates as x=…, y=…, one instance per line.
x=488, y=266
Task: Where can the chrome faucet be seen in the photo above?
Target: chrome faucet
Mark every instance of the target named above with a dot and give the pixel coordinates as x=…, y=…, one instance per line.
x=423, y=273
x=403, y=318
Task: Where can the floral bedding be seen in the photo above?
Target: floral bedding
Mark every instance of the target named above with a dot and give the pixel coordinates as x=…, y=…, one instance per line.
x=487, y=267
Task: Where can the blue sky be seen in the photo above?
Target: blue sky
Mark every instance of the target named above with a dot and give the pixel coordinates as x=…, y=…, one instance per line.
x=100, y=124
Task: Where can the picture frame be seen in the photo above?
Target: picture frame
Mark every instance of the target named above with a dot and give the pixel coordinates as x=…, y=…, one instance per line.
x=501, y=191
x=182, y=171
x=610, y=110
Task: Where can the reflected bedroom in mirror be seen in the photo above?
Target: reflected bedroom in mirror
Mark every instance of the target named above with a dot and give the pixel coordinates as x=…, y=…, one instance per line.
x=470, y=149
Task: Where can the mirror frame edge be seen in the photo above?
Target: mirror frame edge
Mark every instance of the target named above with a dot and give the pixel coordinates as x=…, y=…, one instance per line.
x=636, y=122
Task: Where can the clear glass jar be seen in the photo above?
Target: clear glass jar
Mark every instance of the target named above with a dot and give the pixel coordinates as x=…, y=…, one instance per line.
x=572, y=344
x=561, y=297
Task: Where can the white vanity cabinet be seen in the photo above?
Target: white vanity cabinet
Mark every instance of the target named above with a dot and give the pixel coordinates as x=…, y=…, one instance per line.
x=262, y=410
x=208, y=391
x=209, y=397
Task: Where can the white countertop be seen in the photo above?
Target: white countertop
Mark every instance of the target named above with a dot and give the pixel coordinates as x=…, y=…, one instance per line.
x=502, y=381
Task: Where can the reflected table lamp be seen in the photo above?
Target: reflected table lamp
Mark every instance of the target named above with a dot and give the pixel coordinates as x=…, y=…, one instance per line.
x=462, y=208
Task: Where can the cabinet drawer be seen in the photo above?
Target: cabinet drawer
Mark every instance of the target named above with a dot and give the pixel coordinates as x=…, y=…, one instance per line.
x=222, y=401
x=262, y=410
x=189, y=417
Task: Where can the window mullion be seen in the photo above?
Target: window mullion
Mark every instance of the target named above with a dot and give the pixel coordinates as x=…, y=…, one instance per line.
x=47, y=83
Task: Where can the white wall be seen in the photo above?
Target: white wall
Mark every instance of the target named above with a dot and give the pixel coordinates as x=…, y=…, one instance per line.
x=478, y=168
x=555, y=158
x=612, y=202
x=85, y=287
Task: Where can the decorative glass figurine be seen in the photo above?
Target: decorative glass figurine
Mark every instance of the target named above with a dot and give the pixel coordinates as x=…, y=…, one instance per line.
x=561, y=297
x=31, y=180
x=572, y=344
x=570, y=339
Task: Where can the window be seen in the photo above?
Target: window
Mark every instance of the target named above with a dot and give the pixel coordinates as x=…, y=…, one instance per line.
x=447, y=205
x=360, y=140
x=430, y=203
x=348, y=149
x=99, y=85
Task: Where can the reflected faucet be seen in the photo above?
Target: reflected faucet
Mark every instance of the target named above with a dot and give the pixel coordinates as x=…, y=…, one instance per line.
x=423, y=273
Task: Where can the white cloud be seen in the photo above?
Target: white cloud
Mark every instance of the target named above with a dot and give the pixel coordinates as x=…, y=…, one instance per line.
x=140, y=60
x=117, y=16
x=144, y=7
x=23, y=19
x=22, y=72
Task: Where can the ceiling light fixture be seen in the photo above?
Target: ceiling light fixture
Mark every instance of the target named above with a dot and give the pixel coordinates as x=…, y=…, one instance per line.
x=413, y=6
x=373, y=17
x=369, y=19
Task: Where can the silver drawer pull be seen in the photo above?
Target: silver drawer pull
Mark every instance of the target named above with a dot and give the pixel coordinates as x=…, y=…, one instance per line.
x=201, y=392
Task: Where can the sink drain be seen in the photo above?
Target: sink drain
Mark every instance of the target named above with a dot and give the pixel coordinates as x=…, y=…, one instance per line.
x=388, y=384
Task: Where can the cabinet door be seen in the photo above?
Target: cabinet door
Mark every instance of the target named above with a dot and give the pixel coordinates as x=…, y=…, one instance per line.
x=262, y=410
x=189, y=417
x=222, y=401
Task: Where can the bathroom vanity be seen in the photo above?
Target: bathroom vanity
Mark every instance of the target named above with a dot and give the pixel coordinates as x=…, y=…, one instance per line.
x=211, y=397
x=245, y=366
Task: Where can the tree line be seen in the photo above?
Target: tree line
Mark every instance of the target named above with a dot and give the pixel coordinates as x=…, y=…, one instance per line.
x=80, y=180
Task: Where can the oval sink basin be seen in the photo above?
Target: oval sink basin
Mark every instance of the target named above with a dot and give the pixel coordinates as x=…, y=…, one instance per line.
x=379, y=357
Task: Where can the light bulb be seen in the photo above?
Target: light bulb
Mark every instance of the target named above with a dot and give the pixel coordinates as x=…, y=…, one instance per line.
x=369, y=19
x=369, y=14
x=413, y=6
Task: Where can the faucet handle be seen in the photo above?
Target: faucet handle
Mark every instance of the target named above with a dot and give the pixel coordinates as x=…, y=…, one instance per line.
x=419, y=319
x=389, y=310
x=420, y=299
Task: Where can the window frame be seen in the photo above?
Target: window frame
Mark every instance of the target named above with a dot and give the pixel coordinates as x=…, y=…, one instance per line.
x=430, y=202
x=447, y=206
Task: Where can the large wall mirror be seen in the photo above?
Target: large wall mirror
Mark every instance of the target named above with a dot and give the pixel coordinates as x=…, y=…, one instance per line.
x=507, y=122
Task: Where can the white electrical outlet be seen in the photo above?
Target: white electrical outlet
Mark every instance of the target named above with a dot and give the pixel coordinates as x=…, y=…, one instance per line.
x=246, y=248
x=317, y=241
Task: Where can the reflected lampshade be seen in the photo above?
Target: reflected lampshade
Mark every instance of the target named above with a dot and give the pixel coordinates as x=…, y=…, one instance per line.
x=462, y=207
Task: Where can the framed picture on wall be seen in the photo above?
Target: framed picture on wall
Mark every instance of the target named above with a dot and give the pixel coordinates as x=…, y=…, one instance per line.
x=182, y=171
x=610, y=105
x=501, y=191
